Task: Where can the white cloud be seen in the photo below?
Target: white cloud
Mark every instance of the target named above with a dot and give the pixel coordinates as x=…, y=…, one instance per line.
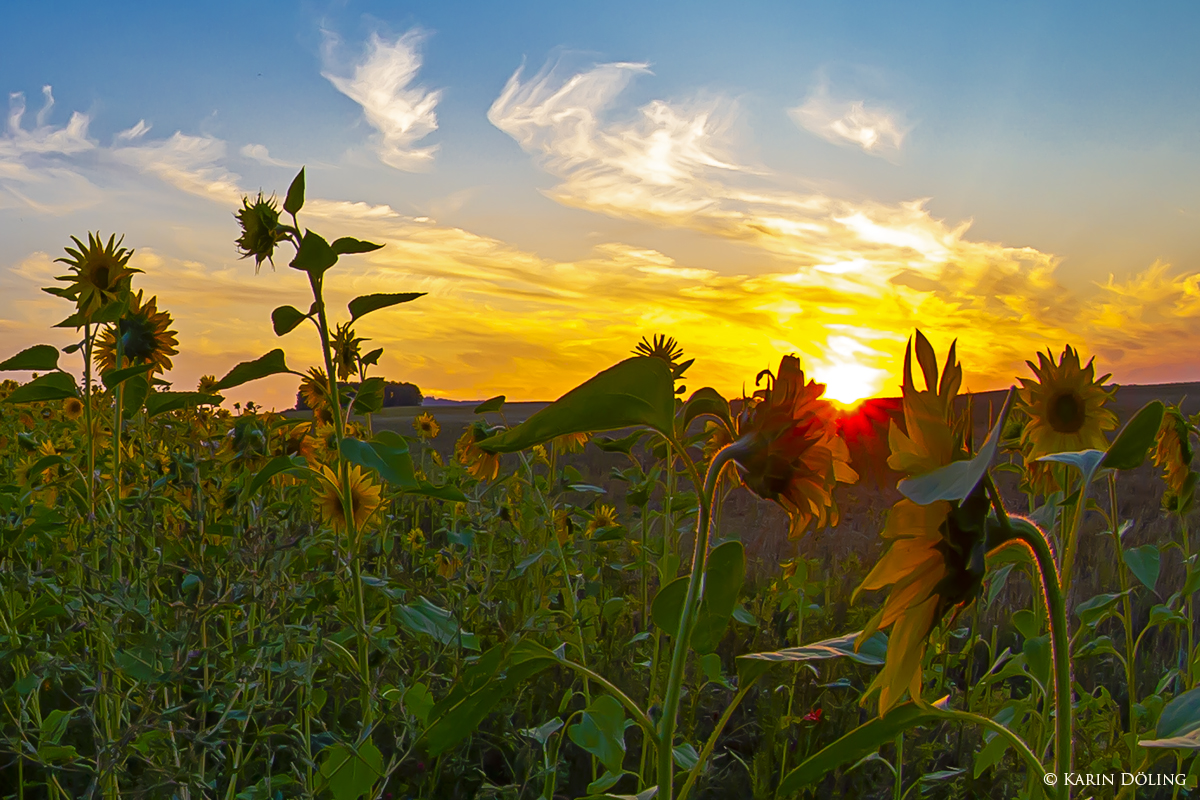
x=136, y=132
x=43, y=138
x=189, y=163
x=849, y=122
x=380, y=83
x=259, y=153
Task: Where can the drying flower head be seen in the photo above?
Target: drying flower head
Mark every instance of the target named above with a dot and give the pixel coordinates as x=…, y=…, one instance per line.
x=345, y=346
x=481, y=464
x=1173, y=452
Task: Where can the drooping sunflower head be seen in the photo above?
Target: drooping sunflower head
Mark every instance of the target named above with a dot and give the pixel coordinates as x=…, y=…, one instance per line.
x=934, y=563
x=1173, y=452
x=1065, y=407
x=928, y=441
x=345, y=346
x=426, y=426
x=364, y=498
x=481, y=464
x=145, y=338
x=570, y=442
x=261, y=233
x=72, y=408
x=789, y=450
x=101, y=273
x=564, y=526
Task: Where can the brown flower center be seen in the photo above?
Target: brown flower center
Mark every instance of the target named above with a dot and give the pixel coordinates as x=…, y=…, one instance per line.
x=1066, y=412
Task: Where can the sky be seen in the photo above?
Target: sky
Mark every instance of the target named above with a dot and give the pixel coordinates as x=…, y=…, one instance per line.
x=563, y=179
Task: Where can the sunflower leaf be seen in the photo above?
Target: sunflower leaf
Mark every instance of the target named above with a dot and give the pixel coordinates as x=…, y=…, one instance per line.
x=162, y=402
x=116, y=377
x=285, y=319
x=292, y=465
x=388, y=455
x=361, y=306
x=1128, y=450
x=40, y=357
x=1179, y=724
x=636, y=391
x=270, y=364
x=348, y=246
x=134, y=393
x=723, y=576
x=873, y=653
x=706, y=401
x=958, y=479
x=52, y=386
x=1145, y=562
x=295, y=196
x=491, y=404
x=315, y=256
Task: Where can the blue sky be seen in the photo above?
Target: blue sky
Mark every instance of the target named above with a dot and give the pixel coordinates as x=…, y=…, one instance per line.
x=811, y=177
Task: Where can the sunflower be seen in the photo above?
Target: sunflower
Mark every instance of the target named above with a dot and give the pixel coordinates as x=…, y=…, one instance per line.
x=72, y=408
x=261, y=232
x=667, y=349
x=564, y=526
x=426, y=426
x=101, y=273
x=345, y=347
x=603, y=517
x=1173, y=452
x=207, y=384
x=540, y=454
x=447, y=564
x=935, y=559
x=571, y=442
x=145, y=338
x=1066, y=412
x=789, y=448
x=415, y=537
x=314, y=391
x=364, y=497
x=482, y=465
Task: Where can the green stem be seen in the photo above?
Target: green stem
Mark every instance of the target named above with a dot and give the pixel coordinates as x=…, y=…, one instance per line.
x=1127, y=617
x=1035, y=540
x=899, y=770
x=687, y=621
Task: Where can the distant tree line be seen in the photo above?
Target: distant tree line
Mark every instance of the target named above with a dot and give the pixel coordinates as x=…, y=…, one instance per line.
x=394, y=394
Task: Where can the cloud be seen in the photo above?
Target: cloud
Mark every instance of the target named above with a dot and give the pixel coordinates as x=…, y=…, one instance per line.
x=34, y=170
x=43, y=139
x=380, y=83
x=259, y=153
x=849, y=122
x=189, y=163
x=136, y=132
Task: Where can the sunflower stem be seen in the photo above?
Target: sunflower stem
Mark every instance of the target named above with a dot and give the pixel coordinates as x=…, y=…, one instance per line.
x=691, y=604
x=1127, y=617
x=1033, y=538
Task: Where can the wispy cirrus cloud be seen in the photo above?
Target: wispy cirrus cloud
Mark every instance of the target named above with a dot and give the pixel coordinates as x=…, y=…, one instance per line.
x=380, y=82
x=189, y=163
x=850, y=122
x=36, y=170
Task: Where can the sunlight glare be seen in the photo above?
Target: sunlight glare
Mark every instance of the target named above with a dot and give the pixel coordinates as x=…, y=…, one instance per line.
x=846, y=382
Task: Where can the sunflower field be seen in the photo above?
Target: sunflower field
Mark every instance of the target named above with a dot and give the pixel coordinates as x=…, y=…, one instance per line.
x=198, y=602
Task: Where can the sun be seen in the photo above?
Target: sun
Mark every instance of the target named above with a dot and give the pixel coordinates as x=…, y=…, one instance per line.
x=846, y=382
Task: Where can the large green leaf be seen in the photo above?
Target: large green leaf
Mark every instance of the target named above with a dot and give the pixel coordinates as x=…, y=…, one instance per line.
x=315, y=256
x=668, y=605
x=51, y=386
x=1086, y=461
x=285, y=319
x=350, y=773
x=425, y=618
x=292, y=465
x=1128, y=450
x=723, y=575
x=40, y=357
x=860, y=742
x=1144, y=562
x=295, y=194
x=388, y=455
x=270, y=364
x=347, y=246
x=637, y=391
x=1179, y=724
x=162, y=402
x=116, y=377
x=601, y=731
x=957, y=479
x=134, y=392
x=873, y=652
x=706, y=401
x=361, y=306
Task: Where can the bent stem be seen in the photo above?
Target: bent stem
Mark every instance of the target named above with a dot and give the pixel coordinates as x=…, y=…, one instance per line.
x=1033, y=538
x=694, y=772
x=691, y=604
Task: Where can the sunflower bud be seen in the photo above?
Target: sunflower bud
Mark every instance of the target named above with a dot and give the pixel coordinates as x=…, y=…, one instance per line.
x=261, y=232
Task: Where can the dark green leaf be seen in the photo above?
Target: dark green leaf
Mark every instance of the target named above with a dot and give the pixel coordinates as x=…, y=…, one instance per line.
x=134, y=392
x=706, y=401
x=371, y=358
x=1037, y=656
x=419, y=702
x=360, y=306
x=162, y=402
x=315, y=256
x=292, y=465
x=347, y=246
x=668, y=605
x=425, y=618
x=1128, y=450
x=351, y=773
x=957, y=479
x=51, y=386
x=285, y=319
x=1144, y=562
x=270, y=364
x=295, y=195
x=723, y=575
x=493, y=404
x=116, y=377
x=873, y=652
x=40, y=357
x=601, y=731
x=1179, y=724
x=388, y=455
x=369, y=397
x=637, y=391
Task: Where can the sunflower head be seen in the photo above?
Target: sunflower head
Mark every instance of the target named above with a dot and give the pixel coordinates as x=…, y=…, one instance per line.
x=72, y=408
x=571, y=442
x=1065, y=407
x=100, y=273
x=564, y=526
x=481, y=464
x=426, y=426
x=364, y=498
x=1173, y=452
x=603, y=517
x=934, y=563
x=667, y=349
x=929, y=440
x=145, y=337
x=345, y=346
x=261, y=232
x=314, y=390
x=789, y=450
x=207, y=384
